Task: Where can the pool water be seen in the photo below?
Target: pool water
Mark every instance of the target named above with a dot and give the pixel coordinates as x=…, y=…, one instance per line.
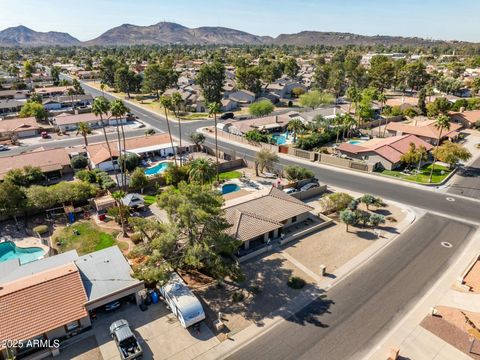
x=280, y=139
x=9, y=251
x=356, y=142
x=229, y=188
x=157, y=169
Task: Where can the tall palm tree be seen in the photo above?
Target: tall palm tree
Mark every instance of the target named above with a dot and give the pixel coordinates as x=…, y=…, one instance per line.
x=214, y=109
x=84, y=129
x=295, y=125
x=119, y=110
x=201, y=171
x=176, y=103
x=101, y=107
x=382, y=99
x=338, y=122
x=118, y=196
x=348, y=123
x=442, y=122
x=166, y=102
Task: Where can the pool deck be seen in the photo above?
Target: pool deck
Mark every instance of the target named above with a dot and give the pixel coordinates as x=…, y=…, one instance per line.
x=31, y=242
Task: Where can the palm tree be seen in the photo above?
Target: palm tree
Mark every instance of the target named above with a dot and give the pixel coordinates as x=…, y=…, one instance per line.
x=348, y=122
x=214, y=109
x=338, y=122
x=119, y=110
x=422, y=154
x=201, y=171
x=71, y=92
x=442, y=122
x=102, y=87
x=101, y=107
x=382, y=99
x=166, y=102
x=84, y=129
x=118, y=196
x=176, y=103
x=295, y=125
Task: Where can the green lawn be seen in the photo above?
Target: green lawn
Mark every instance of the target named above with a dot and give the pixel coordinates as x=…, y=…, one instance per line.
x=149, y=199
x=228, y=175
x=89, y=239
x=423, y=176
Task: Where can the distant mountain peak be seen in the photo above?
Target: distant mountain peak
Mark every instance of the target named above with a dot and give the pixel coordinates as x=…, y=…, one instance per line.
x=24, y=36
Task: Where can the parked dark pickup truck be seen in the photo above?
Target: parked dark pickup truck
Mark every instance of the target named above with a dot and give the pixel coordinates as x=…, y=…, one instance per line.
x=127, y=343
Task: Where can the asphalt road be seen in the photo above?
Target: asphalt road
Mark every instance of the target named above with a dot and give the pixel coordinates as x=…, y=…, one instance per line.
x=467, y=181
x=346, y=320
x=425, y=199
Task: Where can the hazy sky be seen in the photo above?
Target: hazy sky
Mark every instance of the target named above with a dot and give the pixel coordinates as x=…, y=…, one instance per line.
x=87, y=19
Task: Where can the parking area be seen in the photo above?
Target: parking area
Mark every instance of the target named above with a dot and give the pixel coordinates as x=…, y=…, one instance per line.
x=157, y=330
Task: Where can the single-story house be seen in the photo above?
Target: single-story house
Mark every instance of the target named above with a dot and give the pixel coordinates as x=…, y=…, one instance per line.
x=53, y=91
x=9, y=106
x=242, y=97
x=385, y=153
x=144, y=146
x=283, y=87
x=328, y=113
x=228, y=105
x=467, y=118
x=272, y=124
x=66, y=101
x=425, y=130
x=69, y=122
x=14, y=94
x=22, y=127
x=52, y=298
x=255, y=221
x=54, y=163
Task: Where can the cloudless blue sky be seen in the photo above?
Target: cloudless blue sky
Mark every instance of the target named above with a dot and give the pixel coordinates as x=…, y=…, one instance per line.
x=87, y=19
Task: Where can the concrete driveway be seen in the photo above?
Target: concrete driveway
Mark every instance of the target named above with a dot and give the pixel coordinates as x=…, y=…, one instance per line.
x=157, y=329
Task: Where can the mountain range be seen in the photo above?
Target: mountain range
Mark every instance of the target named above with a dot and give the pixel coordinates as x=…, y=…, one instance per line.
x=165, y=33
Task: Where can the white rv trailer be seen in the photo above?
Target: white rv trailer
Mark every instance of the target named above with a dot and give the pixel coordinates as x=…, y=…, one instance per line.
x=182, y=302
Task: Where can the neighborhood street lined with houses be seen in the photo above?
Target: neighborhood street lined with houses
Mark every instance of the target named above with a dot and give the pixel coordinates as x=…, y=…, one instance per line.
x=204, y=193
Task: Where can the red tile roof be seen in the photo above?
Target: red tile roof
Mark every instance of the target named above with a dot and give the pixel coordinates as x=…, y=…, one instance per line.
x=42, y=302
x=468, y=116
x=424, y=128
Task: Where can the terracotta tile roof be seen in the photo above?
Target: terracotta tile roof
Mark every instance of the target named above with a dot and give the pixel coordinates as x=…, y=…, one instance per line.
x=99, y=152
x=468, y=116
x=391, y=148
x=261, y=215
x=44, y=159
x=65, y=119
x=258, y=123
x=42, y=302
x=424, y=128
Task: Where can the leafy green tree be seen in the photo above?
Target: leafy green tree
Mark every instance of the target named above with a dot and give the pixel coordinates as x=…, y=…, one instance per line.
x=441, y=123
x=376, y=219
x=451, y=153
x=175, y=174
x=84, y=129
x=79, y=162
x=291, y=67
x=348, y=217
x=201, y=171
x=28, y=69
x=297, y=173
x=138, y=180
x=265, y=159
x=315, y=98
x=422, y=105
x=256, y=136
x=34, y=109
x=370, y=200
x=12, y=200
x=159, y=78
x=118, y=197
x=36, y=98
x=271, y=72
x=124, y=80
x=296, y=125
x=336, y=202
x=197, y=138
x=108, y=68
x=210, y=78
x=381, y=72
x=249, y=78
x=261, y=108
x=25, y=176
x=194, y=239
x=55, y=74
x=129, y=162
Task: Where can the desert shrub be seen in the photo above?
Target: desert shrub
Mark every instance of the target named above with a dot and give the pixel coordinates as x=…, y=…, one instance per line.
x=296, y=282
x=136, y=238
x=40, y=229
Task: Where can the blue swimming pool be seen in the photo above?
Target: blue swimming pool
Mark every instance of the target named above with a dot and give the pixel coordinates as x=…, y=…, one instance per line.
x=356, y=142
x=9, y=251
x=280, y=139
x=156, y=169
x=229, y=188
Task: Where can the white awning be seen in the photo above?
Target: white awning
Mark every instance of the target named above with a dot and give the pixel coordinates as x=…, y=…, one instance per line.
x=152, y=148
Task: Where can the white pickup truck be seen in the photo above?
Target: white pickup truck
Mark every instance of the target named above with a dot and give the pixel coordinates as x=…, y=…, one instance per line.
x=127, y=343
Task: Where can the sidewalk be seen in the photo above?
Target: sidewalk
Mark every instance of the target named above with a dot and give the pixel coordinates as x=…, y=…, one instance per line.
x=413, y=340
x=248, y=335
